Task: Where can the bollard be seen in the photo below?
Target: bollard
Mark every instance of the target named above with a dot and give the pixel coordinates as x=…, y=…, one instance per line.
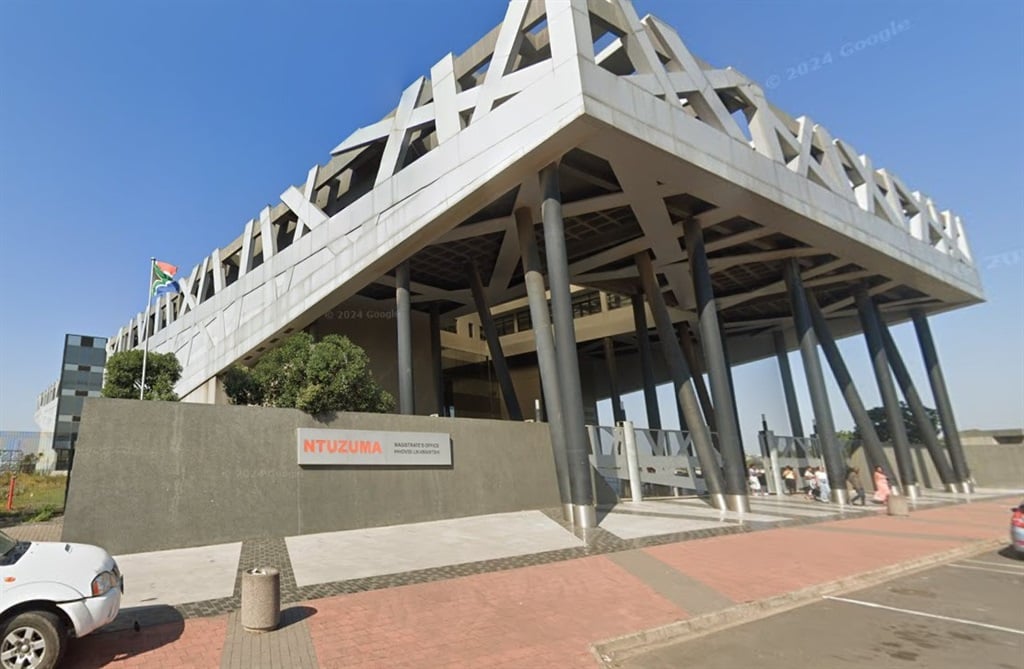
x=261, y=599
x=896, y=505
x=10, y=494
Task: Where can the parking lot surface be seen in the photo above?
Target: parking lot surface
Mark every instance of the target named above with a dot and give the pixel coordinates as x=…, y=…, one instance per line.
x=968, y=613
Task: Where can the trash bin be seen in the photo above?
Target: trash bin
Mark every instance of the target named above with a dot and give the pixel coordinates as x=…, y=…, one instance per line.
x=261, y=599
x=896, y=505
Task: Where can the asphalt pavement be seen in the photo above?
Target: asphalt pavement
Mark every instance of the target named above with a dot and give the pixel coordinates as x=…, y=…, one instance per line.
x=967, y=613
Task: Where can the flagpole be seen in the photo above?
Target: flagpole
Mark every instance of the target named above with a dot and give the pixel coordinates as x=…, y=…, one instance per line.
x=145, y=327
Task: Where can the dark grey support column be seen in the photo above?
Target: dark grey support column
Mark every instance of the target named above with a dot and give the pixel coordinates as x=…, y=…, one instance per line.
x=403, y=316
x=584, y=514
x=718, y=370
x=732, y=385
x=435, y=358
x=618, y=413
x=508, y=391
x=545, y=344
x=824, y=426
x=643, y=341
x=872, y=444
x=886, y=388
x=683, y=382
x=942, y=403
x=796, y=426
x=693, y=361
x=924, y=425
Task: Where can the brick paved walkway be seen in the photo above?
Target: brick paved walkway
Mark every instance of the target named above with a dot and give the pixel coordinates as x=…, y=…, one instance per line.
x=549, y=614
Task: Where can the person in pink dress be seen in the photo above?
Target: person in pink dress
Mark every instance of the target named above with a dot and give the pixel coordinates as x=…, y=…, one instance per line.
x=881, y=486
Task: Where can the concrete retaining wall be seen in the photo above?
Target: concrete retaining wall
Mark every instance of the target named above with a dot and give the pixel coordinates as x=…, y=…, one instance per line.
x=991, y=466
x=157, y=475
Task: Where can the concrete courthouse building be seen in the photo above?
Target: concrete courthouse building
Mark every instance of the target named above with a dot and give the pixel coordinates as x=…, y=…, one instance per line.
x=577, y=207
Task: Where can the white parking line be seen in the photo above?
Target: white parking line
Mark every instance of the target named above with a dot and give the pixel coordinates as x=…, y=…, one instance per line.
x=994, y=571
x=927, y=615
x=1002, y=565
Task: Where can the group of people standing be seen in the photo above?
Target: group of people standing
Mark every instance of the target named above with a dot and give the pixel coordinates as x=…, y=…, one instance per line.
x=816, y=484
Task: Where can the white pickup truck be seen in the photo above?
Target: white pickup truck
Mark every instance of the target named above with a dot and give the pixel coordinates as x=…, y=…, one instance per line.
x=50, y=591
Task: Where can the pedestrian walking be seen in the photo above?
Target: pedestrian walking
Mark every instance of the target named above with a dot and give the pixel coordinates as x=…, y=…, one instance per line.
x=824, y=489
x=789, y=476
x=854, y=482
x=881, y=482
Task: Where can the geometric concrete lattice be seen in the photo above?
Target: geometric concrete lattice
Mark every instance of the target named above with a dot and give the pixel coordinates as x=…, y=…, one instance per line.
x=647, y=135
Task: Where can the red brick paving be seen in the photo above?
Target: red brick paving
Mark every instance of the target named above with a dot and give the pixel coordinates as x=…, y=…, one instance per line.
x=544, y=616
x=759, y=565
x=195, y=643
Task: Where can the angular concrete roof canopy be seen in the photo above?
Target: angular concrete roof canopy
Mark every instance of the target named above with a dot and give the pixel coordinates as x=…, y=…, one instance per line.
x=647, y=135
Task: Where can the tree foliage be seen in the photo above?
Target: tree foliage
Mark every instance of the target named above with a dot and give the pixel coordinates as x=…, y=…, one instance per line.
x=881, y=422
x=332, y=374
x=124, y=370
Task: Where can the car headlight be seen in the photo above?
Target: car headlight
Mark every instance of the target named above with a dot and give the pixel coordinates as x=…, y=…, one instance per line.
x=103, y=583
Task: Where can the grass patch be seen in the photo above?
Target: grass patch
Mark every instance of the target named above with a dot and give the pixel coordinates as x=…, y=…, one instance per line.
x=36, y=497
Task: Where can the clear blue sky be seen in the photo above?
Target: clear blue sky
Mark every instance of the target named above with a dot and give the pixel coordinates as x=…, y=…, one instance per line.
x=140, y=128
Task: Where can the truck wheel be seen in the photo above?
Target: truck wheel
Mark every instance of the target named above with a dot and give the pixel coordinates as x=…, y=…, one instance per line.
x=32, y=640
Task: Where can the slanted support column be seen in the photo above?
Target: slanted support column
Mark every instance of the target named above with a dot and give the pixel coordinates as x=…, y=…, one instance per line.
x=886, y=388
x=584, y=514
x=683, y=382
x=403, y=317
x=942, y=403
x=643, y=341
x=718, y=370
x=618, y=413
x=435, y=358
x=825, y=426
x=924, y=425
x=545, y=345
x=508, y=391
x=796, y=426
x=872, y=444
x=693, y=360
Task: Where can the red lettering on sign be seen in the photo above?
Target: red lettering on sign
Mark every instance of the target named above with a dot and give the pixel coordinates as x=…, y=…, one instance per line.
x=309, y=446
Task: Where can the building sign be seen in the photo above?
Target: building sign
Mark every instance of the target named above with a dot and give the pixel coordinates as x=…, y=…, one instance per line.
x=371, y=447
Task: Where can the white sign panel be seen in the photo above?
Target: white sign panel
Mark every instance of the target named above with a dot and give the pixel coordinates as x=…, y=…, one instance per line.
x=372, y=447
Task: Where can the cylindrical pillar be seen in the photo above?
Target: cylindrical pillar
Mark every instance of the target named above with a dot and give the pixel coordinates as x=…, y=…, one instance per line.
x=435, y=358
x=872, y=444
x=483, y=310
x=796, y=426
x=403, y=317
x=825, y=428
x=735, y=478
x=581, y=488
x=545, y=345
x=632, y=461
x=886, y=388
x=643, y=341
x=924, y=424
x=618, y=413
x=683, y=382
x=697, y=369
x=942, y=403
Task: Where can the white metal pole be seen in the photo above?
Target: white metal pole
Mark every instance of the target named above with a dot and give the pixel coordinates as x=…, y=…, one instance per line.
x=145, y=327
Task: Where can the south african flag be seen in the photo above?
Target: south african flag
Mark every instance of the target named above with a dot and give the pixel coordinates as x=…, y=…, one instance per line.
x=162, y=278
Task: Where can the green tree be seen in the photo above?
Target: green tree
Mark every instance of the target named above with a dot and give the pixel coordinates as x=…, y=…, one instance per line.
x=330, y=375
x=881, y=422
x=124, y=370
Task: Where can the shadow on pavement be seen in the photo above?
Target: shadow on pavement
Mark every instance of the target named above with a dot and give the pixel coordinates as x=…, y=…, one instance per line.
x=295, y=614
x=135, y=631
x=1011, y=553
